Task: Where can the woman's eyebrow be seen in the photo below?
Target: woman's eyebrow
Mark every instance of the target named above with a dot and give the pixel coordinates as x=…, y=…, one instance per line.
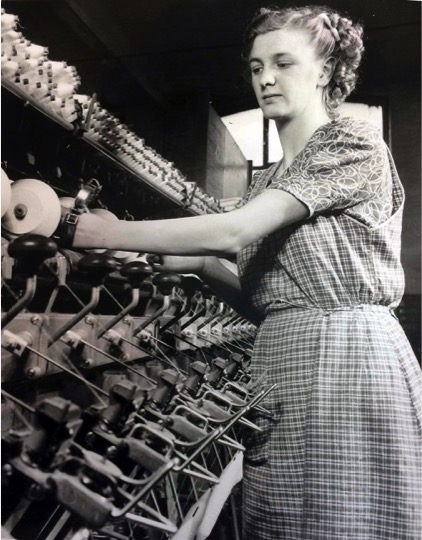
x=275, y=56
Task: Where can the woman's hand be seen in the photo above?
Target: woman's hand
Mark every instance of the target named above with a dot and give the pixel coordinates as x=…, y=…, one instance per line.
x=180, y=265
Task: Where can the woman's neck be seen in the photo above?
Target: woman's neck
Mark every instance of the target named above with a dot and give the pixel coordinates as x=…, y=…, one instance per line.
x=294, y=134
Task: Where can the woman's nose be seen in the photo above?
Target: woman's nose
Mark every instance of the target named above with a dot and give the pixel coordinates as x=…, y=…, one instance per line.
x=267, y=78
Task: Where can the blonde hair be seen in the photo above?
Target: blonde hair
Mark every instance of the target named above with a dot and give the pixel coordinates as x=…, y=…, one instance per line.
x=333, y=35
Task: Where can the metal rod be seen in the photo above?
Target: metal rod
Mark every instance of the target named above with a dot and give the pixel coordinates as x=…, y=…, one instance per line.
x=18, y=401
x=95, y=296
x=123, y=313
x=23, y=302
x=114, y=359
x=60, y=366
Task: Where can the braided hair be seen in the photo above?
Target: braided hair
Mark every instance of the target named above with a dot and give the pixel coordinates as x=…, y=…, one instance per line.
x=334, y=36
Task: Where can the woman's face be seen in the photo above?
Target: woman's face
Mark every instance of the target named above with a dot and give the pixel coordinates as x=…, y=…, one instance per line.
x=286, y=74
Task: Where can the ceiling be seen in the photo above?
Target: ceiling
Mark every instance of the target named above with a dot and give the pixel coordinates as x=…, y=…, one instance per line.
x=129, y=50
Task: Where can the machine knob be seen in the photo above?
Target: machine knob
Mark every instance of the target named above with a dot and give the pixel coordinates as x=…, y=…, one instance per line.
x=97, y=266
x=206, y=290
x=31, y=250
x=154, y=259
x=166, y=281
x=136, y=272
x=190, y=284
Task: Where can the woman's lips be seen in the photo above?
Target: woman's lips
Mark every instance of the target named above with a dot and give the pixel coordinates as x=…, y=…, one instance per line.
x=270, y=97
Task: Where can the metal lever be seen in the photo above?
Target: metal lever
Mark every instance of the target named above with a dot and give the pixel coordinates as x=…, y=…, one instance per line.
x=189, y=285
x=97, y=266
x=136, y=272
x=30, y=250
x=165, y=282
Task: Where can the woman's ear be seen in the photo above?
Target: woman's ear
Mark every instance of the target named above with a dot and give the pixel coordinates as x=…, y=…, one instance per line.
x=326, y=72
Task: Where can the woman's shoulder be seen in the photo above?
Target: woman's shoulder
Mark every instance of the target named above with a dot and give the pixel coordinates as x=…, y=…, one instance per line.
x=352, y=129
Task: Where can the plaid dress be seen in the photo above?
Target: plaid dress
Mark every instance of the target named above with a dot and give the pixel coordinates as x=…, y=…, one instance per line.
x=340, y=457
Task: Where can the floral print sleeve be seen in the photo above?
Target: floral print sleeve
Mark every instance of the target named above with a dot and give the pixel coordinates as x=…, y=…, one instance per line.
x=344, y=166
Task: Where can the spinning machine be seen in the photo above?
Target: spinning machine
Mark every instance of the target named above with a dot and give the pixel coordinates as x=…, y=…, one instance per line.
x=126, y=392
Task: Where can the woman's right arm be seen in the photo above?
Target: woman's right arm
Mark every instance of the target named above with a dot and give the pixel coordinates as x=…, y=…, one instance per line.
x=222, y=280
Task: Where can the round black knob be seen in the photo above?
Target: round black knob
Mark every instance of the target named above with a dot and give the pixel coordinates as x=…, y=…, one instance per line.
x=97, y=266
x=154, y=259
x=31, y=250
x=190, y=284
x=136, y=272
x=166, y=281
x=206, y=290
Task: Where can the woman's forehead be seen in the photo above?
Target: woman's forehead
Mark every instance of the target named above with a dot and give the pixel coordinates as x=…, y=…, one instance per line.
x=294, y=41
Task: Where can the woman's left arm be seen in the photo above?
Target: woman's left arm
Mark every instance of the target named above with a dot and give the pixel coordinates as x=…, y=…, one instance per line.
x=215, y=234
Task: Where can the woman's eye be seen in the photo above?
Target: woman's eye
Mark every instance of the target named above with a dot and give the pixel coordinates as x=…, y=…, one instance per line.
x=283, y=65
x=256, y=70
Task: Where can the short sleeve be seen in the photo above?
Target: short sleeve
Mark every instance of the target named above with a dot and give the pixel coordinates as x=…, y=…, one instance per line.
x=342, y=166
x=255, y=186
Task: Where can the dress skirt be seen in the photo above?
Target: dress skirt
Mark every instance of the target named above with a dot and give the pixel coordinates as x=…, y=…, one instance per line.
x=340, y=456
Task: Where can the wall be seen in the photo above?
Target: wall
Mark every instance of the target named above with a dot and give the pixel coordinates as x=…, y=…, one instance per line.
x=405, y=116
x=227, y=167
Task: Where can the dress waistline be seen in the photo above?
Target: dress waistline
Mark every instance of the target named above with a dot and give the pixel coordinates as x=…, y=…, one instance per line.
x=285, y=306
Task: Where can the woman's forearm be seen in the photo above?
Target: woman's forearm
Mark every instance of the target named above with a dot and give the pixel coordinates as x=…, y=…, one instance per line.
x=200, y=235
x=226, y=286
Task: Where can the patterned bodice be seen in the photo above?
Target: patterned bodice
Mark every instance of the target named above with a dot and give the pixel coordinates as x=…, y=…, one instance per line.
x=347, y=252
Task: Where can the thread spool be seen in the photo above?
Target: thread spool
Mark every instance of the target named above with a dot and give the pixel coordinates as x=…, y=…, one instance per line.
x=62, y=89
x=37, y=51
x=31, y=51
x=8, y=22
x=10, y=36
x=68, y=110
x=6, y=192
x=21, y=45
x=30, y=65
x=10, y=69
x=82, y=98
x=34, y=208
x=37, y=90
x=56, y=67
x=53, y=103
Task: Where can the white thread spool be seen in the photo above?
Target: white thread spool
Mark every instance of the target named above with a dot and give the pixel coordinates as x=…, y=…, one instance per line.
x=34, y=208
x=62, y=90
x=36, y=75
x=37, y=51
x=27, y=67
x=30, y=51
x=38, y=90
x=8, y=22
x=82, y=98
x=61, y=72
x=11, y=37
x=53, y=103
x=56, y=67
x=6, y=192
x=10, y=69
x=21, y=46
x=69, y=109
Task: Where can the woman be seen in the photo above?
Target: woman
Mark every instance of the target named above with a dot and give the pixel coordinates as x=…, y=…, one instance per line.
x=318, y=244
